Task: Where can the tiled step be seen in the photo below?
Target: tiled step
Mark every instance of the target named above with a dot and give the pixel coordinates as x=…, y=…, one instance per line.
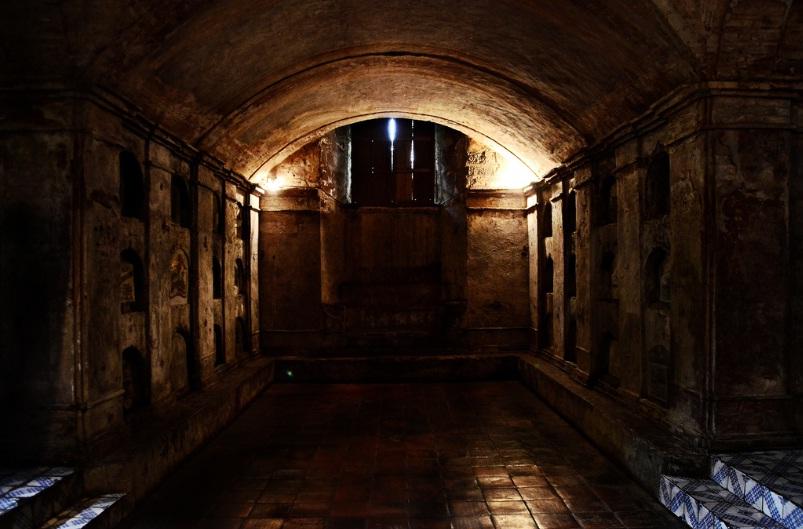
x=703, y=504
x=30, y=497
x=772, y=482
x=102, y=512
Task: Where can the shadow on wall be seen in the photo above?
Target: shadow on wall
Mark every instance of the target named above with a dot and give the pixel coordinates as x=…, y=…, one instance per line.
x=35, y=279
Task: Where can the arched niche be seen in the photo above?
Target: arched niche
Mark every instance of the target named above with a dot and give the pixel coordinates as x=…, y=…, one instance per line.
x=241, y=222
x=607, y=277
x=217, y=278
x=241, y=338
x=239, y=277
x=132, y=186
x=220, y=348
x=179, y=278
x=606, y=351
x=658, y=279
x=546, y=220
x=657, y=188
x=136, y=380
x=659, y=375
x=570, y=213
x=217, y=215
x=607, y=200
x=180, y=205
x=183, y=349
x=132, y=282
x=549, y=275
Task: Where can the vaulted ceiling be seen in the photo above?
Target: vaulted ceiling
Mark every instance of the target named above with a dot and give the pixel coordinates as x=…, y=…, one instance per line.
x=252, y=80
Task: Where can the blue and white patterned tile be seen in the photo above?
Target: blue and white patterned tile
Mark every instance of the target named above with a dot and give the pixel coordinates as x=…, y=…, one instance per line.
x=704, y=504
x=772, y=483
x=81, y=516
x=6, y=504
x=669, y=495
x=25, y=491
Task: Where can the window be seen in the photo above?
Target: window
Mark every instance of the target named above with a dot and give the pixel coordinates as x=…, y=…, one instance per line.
x=220, y=351
x=393, y=162
x=132, y=187
x=180, y=211
x=657, y=188
x=132, y=282
x=217, y=278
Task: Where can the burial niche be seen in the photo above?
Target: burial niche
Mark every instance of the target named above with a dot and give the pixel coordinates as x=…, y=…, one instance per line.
x=240, y=338
x=546, y=224
x=220, y=350
x=136, y=383
x=179, y=278
x=239, y=277
x=132, y=186
x=658, y=279
x=241, y=222
x=607, y=201
x=182, y=348
x=180, y=210
x=657, y=197
x=217, y=278
x=132, y=282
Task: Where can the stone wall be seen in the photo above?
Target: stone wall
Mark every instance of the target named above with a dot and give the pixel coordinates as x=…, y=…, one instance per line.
x=121, y=224
x=670, y=290
x=448, y=276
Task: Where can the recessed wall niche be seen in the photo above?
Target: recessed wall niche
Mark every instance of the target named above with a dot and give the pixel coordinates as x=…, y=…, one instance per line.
x=217, y=278
x=658, y=278
x=179, y=278
x=136, y=380
x=241, y=222
x=183, y=349
x=132, y=187
x=180, y=206
x=657, y=195
x=607, y=201
x=220, y=350
x=239, y=277
x=241, y=338
x=132, y=282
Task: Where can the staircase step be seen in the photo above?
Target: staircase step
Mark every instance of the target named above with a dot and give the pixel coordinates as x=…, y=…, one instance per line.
x=772, y=482
x=101, y=512
x=704, y=504
x=31, y=496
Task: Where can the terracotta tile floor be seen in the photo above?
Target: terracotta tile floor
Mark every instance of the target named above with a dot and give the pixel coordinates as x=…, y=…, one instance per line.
x=406, y=456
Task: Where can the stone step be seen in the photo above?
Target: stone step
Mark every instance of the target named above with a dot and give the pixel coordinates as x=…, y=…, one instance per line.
x=772, y=482
x=704, y=504
x=29, y=497
x=101, y=512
